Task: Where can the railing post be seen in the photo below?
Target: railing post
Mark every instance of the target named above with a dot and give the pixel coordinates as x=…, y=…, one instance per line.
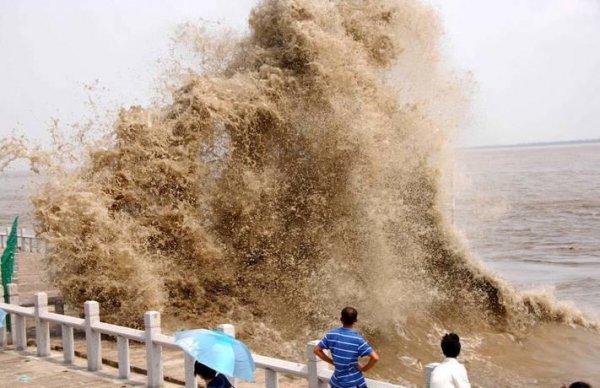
x=19, y=332
x=40, y=247
x=3, y=324
x=153, y=351
x=188, y=366
x=13, y=298
x=314, y=365
x=59, y=306
x=229, y=329
x=271, y=379
x=123, y=355
x=15, y=277
x=42, y=328
x=92, y=337
x=68, y=344
x=427, y=373
x=21, y=239
x=19, y=335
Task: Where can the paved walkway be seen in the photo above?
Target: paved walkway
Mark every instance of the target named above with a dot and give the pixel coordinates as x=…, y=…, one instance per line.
x=23, y=369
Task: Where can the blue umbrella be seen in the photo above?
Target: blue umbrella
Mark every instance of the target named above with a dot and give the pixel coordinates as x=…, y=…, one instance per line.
x=218, y=351
x=2, y=315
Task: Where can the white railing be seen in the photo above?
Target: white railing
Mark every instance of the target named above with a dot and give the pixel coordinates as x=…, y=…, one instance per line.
x=26, y=242
x=315, y=370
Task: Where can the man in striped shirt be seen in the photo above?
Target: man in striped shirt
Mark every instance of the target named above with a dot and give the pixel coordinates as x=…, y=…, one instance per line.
x=347, y=347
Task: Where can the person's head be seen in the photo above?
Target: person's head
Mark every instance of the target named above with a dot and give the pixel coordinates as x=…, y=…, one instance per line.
x=451, y=345
x=204, y=372
x=580, y=384
x=349, y=316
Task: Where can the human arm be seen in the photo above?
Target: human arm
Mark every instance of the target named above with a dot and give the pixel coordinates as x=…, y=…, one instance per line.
x=321, y=354
x=366, y=350
x=373, y=358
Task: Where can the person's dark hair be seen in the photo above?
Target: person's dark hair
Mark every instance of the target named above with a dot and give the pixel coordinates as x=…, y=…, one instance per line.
x=349, y=315
x=203, y=371
x=451, y=345
x=580, y=384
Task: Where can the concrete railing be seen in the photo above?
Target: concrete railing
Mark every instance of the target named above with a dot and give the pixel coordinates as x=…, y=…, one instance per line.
x=26, y=242
x=314, y=371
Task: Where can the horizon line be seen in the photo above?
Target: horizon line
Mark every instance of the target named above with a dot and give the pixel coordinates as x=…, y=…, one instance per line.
x=532, y=144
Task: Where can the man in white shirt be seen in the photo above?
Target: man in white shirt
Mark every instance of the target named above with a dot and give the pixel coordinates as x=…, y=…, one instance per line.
x=450, y=373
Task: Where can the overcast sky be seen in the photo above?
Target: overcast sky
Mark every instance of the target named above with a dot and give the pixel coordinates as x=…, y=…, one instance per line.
x=536, y=62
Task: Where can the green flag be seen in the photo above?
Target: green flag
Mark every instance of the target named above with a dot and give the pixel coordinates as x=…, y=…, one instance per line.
x=7, y=264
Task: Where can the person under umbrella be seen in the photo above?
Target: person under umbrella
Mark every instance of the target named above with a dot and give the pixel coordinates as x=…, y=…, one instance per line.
x=217, y=352
x=211, y=377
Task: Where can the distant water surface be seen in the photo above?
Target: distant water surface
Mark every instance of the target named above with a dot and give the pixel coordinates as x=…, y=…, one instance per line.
x=15, y=189
x=533, y=214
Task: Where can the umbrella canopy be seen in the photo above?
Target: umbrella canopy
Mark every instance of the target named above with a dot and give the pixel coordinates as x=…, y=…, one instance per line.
x=218, y=351
x=2, y=315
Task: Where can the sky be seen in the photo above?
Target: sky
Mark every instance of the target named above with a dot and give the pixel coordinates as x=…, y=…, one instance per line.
x=535, y=62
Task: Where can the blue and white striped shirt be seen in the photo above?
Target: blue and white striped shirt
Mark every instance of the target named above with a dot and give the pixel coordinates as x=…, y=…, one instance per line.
x=346, y=347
